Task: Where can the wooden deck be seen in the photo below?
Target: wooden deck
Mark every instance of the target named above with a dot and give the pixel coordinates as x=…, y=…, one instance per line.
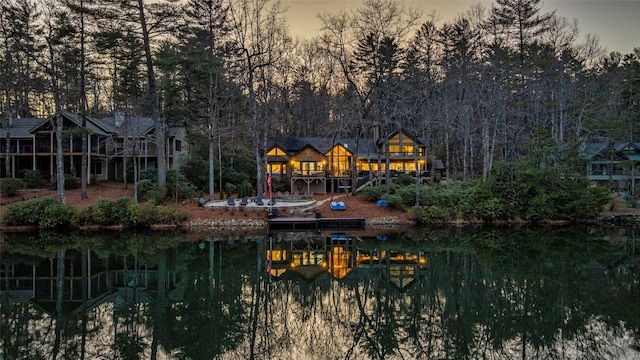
x=315, y=224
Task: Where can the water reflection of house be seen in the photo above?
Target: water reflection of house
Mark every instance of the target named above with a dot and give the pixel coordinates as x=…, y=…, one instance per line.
x=277, y=259
x=341, y=255
x=311, y=256
x=108, y=279
x=308, y=256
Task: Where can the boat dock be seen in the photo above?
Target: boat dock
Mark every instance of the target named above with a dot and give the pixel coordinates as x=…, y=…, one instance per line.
x=315, y=224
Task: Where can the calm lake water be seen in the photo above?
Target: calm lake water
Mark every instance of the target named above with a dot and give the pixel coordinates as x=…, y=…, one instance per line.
x=465, y=293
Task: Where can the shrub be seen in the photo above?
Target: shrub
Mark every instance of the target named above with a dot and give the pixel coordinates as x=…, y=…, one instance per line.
x=134, y=219
x=481, y=203
x=590, y=204
x=229, y=189
x=106, y=212
x=10, y=186
x=70, y=182
x=434, y=213
x=395, y=201
x=150, y=191
x=123, y=211
x=103, y=212
x=179, y=187
x=282, y=183
x=166, y=215
x=371, y=193
x=415, y=214
x=197, y=171
x=146, y=215
x=84, y=216
x=149, y=214
x=26, y=213
x=245, y=189
x=404, y=179
x=407, y=195
x=149, y=173
x=57, y=216
x=33, y=179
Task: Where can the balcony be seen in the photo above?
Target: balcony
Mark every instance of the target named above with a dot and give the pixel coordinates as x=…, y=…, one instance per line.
x=309, y=174
x=404, y=154
x=18, y=150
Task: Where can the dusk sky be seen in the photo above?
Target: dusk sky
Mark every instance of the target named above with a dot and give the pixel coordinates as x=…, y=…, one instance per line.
x=616, y=23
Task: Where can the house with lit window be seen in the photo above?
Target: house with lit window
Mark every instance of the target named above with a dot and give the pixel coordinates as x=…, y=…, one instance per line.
x=113, y=144
x=318, y=165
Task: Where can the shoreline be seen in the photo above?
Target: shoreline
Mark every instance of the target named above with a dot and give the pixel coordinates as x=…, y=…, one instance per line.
x=209, y=224
x=219, y=216
x=386, y=222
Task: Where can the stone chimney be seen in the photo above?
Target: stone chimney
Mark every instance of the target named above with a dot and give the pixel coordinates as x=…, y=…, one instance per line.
x=118, y=116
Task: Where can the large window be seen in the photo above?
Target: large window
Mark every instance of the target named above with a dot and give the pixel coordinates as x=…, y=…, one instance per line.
x=277, y=169
x=276, y=151
x=339, y=161
x=310, y=168
x=401, y=145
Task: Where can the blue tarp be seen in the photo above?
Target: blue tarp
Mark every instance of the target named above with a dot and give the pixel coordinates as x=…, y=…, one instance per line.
x=338, y=205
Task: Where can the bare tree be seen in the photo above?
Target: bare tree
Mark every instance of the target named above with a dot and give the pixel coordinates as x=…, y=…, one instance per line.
x=205, y=41
x=79, y=10
x=54, y=39
x=368, y=45
x=260, y=36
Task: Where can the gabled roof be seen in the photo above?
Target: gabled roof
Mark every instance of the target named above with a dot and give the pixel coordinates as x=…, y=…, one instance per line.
x=293, y=145
x=420, y=140
x=74, y=118
x=132, y=127
x=21, y=128
x=590, y=150
x=24, y=128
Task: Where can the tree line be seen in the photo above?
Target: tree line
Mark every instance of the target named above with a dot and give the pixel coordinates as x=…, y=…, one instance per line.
x=475, y=86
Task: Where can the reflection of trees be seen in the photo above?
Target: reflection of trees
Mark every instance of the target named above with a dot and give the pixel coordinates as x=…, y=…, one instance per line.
x=211, y=319
x=485, y=294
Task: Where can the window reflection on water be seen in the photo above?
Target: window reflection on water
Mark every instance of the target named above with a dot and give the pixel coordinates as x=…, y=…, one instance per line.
x=454, y=293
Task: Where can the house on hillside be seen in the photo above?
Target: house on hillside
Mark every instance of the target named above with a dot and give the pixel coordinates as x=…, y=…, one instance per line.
x=112, y=143
x=313, y=163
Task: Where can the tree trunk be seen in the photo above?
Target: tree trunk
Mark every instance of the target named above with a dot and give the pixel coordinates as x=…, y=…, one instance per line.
x=83, y=108
x=7, y=153
x=159, y=125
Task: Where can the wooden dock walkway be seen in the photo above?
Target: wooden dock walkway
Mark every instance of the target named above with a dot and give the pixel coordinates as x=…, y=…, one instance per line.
x=315, y=224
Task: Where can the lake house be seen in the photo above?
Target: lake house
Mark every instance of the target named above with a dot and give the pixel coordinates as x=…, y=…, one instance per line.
x=316, y=164
x=113, y=144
